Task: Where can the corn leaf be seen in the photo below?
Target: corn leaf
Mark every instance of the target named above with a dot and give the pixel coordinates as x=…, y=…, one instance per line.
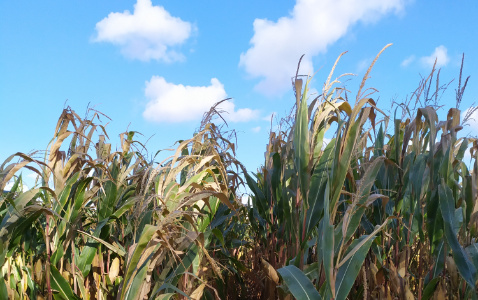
x=133, y=261
x=348, y=272
x=447, y=207
x=298, y=283
x=61, y=285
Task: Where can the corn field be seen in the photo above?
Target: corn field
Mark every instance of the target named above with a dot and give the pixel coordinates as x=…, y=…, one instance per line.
x=385, y=209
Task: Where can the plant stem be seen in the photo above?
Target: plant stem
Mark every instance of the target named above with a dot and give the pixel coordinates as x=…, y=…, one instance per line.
x=47, y=242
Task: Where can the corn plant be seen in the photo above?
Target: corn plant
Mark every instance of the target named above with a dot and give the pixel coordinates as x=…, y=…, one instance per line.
x=374, y=213
x=385, y=209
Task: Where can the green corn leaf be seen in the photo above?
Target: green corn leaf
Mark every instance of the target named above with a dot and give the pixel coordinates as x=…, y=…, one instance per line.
x=276, y=184
x=348, y=272
x=447, y=207
x=65, y=193
x=61, y=285
x=358, y=207
x=3, y=289
x=342, y=160
x=136, y=286
x=88, y=253
x=301, y=144
x=259, y=195
x=108, y=200
x=79, y=197
x=113, y=248
x=328, y=243
x=468, y=195
x=166, y=296
x=439, y=262
x=167, y=287
x=219, y=235
x=133, y=261
x=126, y=206
x=472, y=251
x=298, y=283
x=379, y=142
x=316, y=196
x=434, y=220
x=430, y=288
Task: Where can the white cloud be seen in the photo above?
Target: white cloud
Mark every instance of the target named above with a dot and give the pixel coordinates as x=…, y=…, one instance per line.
x=32, y=175
x=325, y=142
x=10, y=184
x=148, y=33
x=256, y=129
x=245, y=199
x=440, y=54
x=311, y=27
x=467, y=159
x=169, y=102
x=407, y=61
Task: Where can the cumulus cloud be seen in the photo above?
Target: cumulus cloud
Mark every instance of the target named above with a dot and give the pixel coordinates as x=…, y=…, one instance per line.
x=172, y=103
x=441, y=56
x=148, y=33
x=311, y=27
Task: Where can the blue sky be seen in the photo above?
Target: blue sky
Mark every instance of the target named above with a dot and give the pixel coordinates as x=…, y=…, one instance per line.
x=156, y=66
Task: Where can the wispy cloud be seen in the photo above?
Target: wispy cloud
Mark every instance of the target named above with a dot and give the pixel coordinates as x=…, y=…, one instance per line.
x=363, y=65
x=440, y=54
x=256, y=129
x=148, y=33
x=407, y=61
x=311, y=27
x=172, y=103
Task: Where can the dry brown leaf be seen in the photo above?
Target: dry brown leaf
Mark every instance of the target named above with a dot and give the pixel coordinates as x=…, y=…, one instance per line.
x=270, y=271
x=394, y=279
x=452, y=271
x=408, y=294
x=440, y=293
x=380, y=276
x=373, y=275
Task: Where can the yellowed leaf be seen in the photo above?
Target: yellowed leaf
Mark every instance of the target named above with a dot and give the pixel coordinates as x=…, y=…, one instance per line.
x=114, y=269
x=197, y=294
x=38, y=271
x=402, y=264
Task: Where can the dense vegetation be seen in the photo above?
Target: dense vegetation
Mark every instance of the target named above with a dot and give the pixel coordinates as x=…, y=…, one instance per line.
x=385, y=210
